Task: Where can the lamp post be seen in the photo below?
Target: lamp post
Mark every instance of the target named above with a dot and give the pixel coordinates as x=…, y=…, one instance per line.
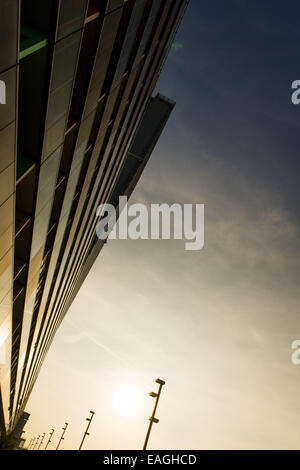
x=62, y=436
x=49, y=440
x=32, y=443
x=36, y=442
x=152, y=418
x=86, y=433
x=42, y=440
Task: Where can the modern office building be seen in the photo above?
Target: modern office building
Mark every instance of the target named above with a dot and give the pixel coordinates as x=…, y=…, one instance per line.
x=77, y=126
x=19, y=430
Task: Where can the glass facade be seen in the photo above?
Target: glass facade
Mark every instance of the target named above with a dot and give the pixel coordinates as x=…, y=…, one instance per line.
x=9, y=20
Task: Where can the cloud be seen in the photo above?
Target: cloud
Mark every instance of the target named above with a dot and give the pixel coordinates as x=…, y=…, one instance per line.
x=84, y=335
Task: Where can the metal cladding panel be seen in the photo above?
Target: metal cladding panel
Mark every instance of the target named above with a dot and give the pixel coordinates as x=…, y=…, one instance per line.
x=154, y=119
x=8, y=33
x=152, y=124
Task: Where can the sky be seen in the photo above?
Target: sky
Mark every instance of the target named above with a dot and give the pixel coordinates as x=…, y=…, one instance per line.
x=217, y=325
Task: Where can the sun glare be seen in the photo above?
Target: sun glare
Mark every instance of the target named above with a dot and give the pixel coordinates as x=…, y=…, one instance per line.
x=127, y=400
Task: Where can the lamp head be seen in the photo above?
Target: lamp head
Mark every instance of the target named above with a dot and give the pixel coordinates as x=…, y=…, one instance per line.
x=160, y=382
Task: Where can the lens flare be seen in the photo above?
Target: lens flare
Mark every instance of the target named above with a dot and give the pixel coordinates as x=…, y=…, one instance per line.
x=127, y=400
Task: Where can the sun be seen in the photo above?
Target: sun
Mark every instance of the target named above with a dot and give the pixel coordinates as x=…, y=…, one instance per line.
x=127, y=399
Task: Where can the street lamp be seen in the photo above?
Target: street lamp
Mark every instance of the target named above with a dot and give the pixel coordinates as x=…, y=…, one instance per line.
x=152, y=418
x=62, y=436
x=36, y=442
x=32, y=442
x=86, y=433
x=42, y=440
x=49, y=440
